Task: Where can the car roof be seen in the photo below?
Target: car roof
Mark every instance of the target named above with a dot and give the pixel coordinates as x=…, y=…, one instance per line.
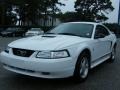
x=94, y=23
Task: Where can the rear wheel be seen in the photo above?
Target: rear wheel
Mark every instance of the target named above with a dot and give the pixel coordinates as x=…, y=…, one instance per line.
x=82, y=67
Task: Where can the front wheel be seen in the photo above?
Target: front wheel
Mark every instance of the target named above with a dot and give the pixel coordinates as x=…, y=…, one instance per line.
x=82, y=67
x=113, y=53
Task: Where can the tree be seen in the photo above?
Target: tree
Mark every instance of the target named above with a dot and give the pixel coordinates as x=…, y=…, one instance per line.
x=55, y=9
x=92, y=10
x=29, y=11
x=114, y=27
x=50, y=8
x=68, y=16
x=7, y=17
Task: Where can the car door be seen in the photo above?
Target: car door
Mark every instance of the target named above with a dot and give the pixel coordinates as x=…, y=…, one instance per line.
x=102, y=44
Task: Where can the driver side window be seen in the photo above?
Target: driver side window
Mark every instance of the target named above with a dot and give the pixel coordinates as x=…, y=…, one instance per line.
x=101, y=32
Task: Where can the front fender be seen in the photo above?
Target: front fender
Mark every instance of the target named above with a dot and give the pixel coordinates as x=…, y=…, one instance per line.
x=82, y=48
x=77, y=49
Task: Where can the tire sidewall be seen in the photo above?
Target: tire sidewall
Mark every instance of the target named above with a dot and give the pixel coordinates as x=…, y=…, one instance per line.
x=77, y=75
x=111, y=57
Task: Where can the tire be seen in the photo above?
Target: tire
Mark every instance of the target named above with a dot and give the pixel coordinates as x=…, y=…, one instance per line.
x=82, y=67
x=113, y=53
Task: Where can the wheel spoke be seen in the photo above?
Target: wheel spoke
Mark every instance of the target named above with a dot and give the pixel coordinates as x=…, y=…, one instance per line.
x=84, y=67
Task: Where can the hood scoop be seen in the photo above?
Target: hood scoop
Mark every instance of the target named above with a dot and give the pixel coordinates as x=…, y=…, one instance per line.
x=48, y=36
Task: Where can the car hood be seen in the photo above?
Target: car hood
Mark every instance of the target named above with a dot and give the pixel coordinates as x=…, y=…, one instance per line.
x=47, y=42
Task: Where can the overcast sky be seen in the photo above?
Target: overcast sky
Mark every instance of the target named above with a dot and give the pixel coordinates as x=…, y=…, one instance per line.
x=113, y=16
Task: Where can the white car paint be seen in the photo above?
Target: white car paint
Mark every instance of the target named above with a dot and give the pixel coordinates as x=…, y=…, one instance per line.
x=100, y=50
x=39, y=42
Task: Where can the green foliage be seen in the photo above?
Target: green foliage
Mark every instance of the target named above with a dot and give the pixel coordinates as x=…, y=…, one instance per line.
x=29, y=10
x=6, y=16
x=33, y=10
x=114, y=27
x=88, y=10
x=92, y=10
x=68, y=16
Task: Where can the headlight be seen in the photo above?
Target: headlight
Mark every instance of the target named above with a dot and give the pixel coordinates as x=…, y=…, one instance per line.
x=7, y=49
x=53, y=54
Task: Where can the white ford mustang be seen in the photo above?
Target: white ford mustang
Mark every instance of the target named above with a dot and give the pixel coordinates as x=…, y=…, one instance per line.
x=70, y=49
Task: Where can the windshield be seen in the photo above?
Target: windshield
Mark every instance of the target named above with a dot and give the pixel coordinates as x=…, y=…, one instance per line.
x=77, y=29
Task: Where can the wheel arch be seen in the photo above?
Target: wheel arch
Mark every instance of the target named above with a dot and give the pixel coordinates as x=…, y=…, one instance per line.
x=85, y=50
x=88, y=51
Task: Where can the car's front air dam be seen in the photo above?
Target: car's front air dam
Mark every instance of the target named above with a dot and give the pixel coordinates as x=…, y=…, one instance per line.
x=57, y=68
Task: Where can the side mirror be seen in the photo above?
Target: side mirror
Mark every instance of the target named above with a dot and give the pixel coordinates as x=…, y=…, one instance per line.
x=100, y=35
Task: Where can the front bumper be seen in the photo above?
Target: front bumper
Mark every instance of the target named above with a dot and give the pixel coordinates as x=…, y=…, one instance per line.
x=45, y=68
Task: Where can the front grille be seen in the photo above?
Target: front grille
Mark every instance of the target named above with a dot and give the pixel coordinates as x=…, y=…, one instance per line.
x=22, y=52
